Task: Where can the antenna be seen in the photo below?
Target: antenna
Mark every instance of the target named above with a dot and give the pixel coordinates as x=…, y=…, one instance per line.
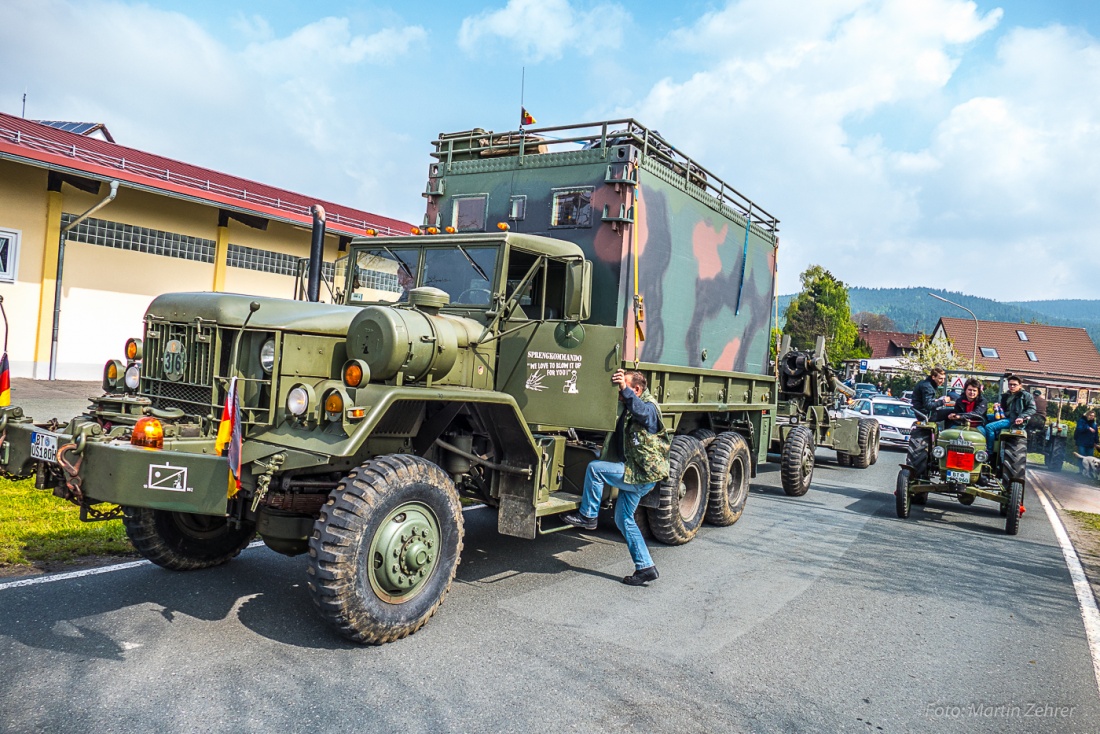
x=24, y=103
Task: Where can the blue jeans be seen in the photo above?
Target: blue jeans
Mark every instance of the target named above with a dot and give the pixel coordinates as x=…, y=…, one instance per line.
x=991, y=430
x=600, y=473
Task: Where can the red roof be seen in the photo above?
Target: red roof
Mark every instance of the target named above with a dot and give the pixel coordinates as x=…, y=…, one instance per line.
x=1058, y=350
x=58, y=149
x=887, y=343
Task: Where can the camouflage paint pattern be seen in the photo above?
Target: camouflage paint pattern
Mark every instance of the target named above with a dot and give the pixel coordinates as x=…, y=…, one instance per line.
x=689, y=241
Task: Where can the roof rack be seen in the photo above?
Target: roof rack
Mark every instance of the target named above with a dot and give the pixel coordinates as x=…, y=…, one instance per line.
x=537, y=141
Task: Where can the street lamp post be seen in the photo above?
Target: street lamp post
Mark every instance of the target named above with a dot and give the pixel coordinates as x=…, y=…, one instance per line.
x=974, y=354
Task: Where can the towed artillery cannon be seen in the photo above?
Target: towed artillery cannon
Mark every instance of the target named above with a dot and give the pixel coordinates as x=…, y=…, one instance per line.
x=808, y=416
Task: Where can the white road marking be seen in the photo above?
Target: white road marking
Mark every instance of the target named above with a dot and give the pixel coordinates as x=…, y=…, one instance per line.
x=35, y=580
x=1090, y=614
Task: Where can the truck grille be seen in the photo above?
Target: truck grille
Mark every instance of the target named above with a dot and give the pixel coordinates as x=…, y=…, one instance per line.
x=195, y=383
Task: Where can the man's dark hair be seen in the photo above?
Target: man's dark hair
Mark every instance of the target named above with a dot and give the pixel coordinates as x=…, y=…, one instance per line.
x=937, y=370
x=1013, y=378
x=636, y=379
x=973, y=381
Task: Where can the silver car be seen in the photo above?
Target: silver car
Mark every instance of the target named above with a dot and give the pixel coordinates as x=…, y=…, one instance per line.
x=895, y=417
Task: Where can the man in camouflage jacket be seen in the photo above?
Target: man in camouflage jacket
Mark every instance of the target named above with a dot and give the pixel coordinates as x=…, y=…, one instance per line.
x=634, y=460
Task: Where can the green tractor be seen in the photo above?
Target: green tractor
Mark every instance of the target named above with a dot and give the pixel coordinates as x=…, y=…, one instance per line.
x=955, y=462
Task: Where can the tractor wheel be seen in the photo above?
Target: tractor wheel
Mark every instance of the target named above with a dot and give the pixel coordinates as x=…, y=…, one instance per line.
x=875, y=443
x=385, y=548
x=729, y=461
x=966, y=499
x=920, y=449
x=901, y=494
x=1014, y=508
x=181, y=541
x=1014, y=464
x=843, y=459
x=867, y=428
x=1056, y=453
x=682, y=497
x=797, y=463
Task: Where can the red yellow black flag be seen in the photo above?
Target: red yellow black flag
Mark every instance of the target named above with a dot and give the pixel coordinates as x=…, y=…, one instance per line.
x=525, y=117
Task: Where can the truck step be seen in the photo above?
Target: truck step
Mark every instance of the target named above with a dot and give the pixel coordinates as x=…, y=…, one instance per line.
x=557, y=503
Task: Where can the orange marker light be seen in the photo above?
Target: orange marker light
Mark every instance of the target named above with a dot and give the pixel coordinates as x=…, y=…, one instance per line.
x=353, y=375
x=433, y=230
x=112, y=372
x=334, y=403
x=148, y=433
x=356, y=413
x=415, y=230
x=449, y=230
x=372, y=232
x=503, y=226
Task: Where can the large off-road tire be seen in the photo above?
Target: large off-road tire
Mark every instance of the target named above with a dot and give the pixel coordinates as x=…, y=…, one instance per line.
x=730, y=464
x=385, y=548
x=901, y=494
x=867, y=435
x=1015, y=506
x=843, y=459
x=705, y=436
x=181, y=541
x=682, y=497
x=1014, y=463
x=876, y=442
x=797, y=461
x=1056, y=454
x=920, y=452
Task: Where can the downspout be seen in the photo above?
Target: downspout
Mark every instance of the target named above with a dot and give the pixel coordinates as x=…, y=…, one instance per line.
x=316, y=254
x=61, y=268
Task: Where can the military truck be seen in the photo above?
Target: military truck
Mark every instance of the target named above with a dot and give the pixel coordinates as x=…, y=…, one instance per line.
x=808, y=416
x=470, y=359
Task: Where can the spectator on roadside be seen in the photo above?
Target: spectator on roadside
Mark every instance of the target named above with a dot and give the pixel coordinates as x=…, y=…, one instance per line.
x=1085, y=434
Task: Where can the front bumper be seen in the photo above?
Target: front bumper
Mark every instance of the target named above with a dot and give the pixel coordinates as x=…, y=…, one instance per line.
x=185, y=476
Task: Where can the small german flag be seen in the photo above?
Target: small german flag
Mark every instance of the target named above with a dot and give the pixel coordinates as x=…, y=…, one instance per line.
x=5, y=381
x=525, y=117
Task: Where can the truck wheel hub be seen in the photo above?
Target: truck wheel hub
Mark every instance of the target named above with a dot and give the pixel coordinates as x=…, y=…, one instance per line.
x=401, y=552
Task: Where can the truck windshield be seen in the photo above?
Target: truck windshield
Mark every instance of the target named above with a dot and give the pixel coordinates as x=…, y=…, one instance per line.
x=387, y=274
x=466, y=273
x=384, y=274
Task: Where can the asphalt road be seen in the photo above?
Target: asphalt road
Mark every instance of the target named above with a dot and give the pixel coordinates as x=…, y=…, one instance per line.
x=823, y=613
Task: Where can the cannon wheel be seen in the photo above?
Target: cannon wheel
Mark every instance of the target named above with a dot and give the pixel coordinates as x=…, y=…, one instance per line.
x=867, y=433
x=797, y=461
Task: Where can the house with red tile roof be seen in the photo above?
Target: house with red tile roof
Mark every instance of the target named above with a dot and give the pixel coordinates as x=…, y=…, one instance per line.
x=172, y=226
x=1044, y=356
x=886, y=344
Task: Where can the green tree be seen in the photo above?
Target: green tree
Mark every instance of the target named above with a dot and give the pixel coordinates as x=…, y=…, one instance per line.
x=927, y=354
x=822, y=308
x=874, y=321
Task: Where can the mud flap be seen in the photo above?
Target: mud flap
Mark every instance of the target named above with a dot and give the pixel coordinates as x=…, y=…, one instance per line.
x=516, y=517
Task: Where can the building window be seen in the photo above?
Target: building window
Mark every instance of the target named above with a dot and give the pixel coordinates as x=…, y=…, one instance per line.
x=468, y=214
x=1021, y=334
x=518, y=207
x=572, y=208
x=140, y=239
x=1031, y=355
x=9, y=255
x=990, y=352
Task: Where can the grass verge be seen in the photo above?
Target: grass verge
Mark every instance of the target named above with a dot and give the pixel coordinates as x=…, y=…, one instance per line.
x=36, y=527
x=1088, y=520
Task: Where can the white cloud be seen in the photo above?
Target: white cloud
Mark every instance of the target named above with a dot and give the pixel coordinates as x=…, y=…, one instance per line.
x=545, y=29
x=297, y=111
x=1005, y=175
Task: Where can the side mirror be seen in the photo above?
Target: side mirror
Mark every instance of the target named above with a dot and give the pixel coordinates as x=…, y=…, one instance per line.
x=865, y=412
x=578, y=290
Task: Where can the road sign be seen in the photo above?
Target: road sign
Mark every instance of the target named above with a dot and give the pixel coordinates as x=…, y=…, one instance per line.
x=959, y=381
x=862, y=366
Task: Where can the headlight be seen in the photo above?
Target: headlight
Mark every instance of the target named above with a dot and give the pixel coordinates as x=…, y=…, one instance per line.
x=938, y=452
x=267, y=355
x=980, y=456
x=133, y=349
x=133, y=376
x=888, y=427
x=297, y=400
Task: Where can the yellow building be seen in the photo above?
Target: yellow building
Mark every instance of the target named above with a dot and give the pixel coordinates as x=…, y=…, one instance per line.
x=170, y=227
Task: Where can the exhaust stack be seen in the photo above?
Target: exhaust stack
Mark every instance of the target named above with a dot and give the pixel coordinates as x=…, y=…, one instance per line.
x=316, y=254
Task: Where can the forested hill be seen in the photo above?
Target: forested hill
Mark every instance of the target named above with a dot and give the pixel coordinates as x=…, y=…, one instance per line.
x=913, y=310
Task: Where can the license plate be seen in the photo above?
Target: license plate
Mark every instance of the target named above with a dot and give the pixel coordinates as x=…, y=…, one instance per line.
x=44, y=446
x=958, y=477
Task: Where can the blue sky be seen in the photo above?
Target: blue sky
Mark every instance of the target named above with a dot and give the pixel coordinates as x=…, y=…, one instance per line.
x=900, y=142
